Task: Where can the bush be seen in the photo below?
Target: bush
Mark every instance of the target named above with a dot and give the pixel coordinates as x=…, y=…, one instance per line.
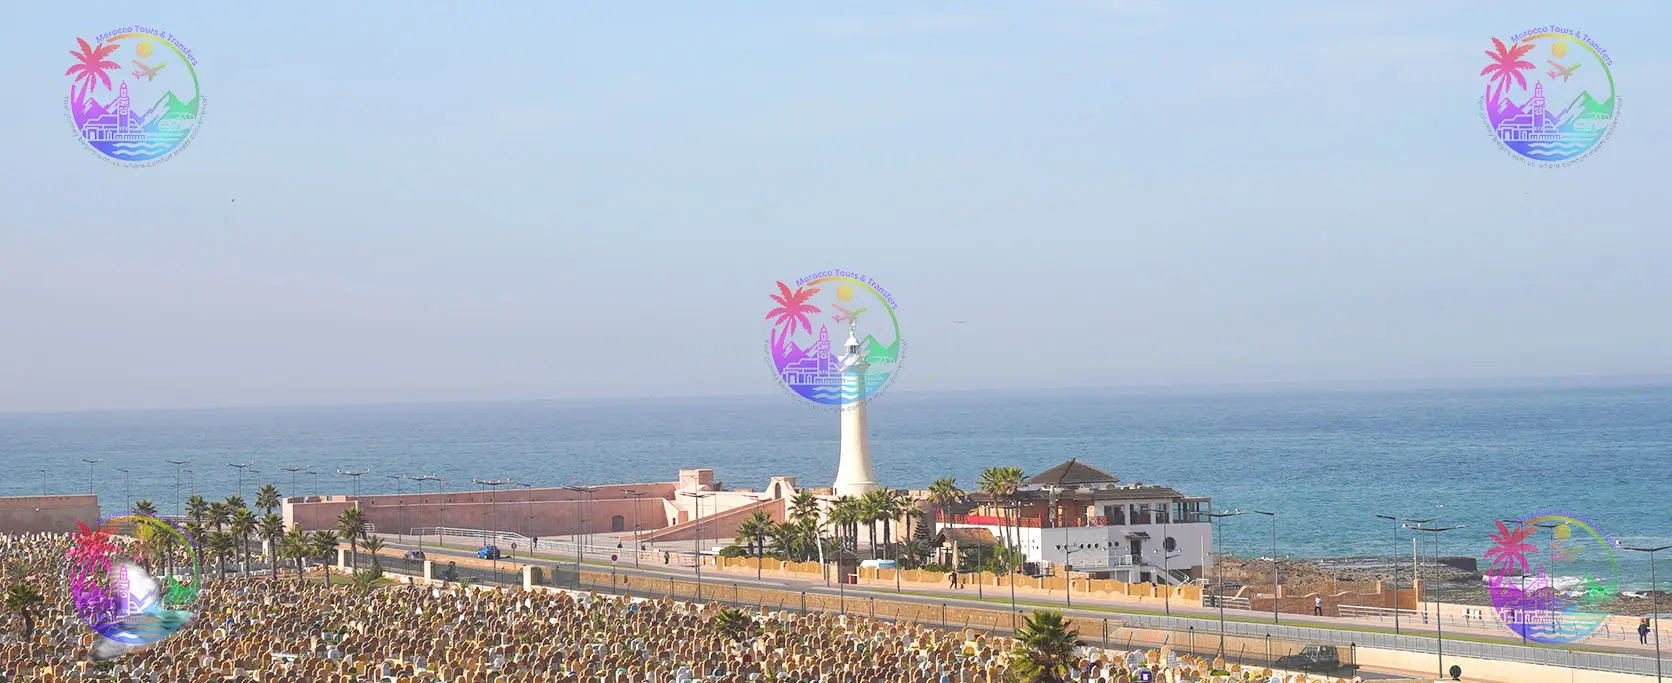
x=735, y=550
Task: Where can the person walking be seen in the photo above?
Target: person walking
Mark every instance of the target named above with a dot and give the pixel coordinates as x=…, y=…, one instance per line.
x=1318, y=605
x=952, y=579
x=1643, y=632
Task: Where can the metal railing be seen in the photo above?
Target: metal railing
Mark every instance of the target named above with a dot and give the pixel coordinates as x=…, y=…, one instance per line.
x=1231, y=602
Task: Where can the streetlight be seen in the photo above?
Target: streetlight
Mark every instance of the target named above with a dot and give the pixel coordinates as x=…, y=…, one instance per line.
x=528, y=511
x=293, y=471
x=178, y=501
x=1218, y=558
x=1654, y=599
x=43, y=481
x=1439, y=628
x=420, y=484
x=1393, y=570
x=90, y=464
x=1522, y=576
x=493, y=491
x=1068, y=567
x=356, y=476
x=128, y=485
x=697, y=543
x=1273, y=517
x=240, y=475
x=1012, y=578
x=638, y=497
x=580, y=547
x=401, y=511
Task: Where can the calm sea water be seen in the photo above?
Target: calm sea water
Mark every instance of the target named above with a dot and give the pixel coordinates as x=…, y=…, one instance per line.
x=1325, y=461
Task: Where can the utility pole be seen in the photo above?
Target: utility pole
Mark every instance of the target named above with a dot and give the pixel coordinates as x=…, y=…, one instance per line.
x=419, y=482
x=128, y=484
x=1654, y=598
x=493, y=492
x=580, y=545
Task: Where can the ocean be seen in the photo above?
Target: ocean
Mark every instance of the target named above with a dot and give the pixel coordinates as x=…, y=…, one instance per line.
x=1326, y=461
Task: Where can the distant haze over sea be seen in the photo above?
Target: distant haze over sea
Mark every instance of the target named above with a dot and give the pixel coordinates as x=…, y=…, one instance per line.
x=1326, y=457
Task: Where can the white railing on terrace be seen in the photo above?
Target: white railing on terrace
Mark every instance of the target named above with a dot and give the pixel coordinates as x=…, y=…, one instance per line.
x=1379, y=613
x=1231, y=602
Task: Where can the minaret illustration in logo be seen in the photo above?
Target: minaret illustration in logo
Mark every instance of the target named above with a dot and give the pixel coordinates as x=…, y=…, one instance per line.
x=853, y=473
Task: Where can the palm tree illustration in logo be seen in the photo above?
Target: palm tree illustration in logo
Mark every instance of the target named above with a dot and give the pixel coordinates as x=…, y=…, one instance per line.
x=791, y=312
x=1506, y=66
x=1509, y=548
x=90, y=67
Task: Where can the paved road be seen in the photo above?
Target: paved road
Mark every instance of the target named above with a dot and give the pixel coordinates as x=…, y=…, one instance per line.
x=718, y=581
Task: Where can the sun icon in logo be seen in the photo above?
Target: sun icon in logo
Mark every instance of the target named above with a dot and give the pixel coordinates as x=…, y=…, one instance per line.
x=844, y=293
x=143, y=49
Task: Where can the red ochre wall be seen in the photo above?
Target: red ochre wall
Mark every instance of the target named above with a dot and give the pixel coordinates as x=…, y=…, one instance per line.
x=531, y=512
x=23, y=514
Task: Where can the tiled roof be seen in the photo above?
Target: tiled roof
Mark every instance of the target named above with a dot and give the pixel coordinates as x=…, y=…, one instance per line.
x=1071, y=473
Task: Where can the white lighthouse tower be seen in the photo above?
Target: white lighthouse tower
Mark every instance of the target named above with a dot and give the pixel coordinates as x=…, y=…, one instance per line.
x=853, y=473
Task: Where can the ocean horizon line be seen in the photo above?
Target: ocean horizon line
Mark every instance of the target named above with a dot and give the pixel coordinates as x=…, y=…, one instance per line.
x=1159, y=389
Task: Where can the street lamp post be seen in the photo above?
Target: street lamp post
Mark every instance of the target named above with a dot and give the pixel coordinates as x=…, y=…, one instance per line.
x=1068, y=567
x=1439, y=627
x=90, y=464
x=179, y=503
x=128, y=486
x=293, y=486
x=1393, y=570
x=401, y=505
x=1654, y=599
x=315, y=507
x=696, y=499
x=638, y=496
x=528, y=511
x=493, y=492
x=1273, y=517
x=356, y=476
x=580, y=545
x=1219, y=559
x=43, y=483
x=240, y=475
x=419, y=482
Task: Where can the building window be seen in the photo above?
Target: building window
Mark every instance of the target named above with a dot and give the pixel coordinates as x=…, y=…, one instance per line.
x=1170, y=545
x=618, y=523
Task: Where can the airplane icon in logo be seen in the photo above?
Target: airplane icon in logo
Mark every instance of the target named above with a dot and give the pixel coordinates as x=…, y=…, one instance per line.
x=847, y=315
x=1563, y=71
x=149, y=73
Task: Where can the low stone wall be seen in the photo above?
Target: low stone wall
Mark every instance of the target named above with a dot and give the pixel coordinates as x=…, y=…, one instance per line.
x=51, y=514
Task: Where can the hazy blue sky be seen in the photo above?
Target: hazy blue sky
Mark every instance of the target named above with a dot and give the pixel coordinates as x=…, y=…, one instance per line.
x=452, y=201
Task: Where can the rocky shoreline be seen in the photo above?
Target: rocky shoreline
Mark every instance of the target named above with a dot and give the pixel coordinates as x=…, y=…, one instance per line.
x=1450, y=581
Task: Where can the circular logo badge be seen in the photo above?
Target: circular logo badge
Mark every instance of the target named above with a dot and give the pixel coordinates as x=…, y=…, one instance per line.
x=112, y=585
x=834, y=339
x=1552, y=576
x=134, y=96
x=1550, y=96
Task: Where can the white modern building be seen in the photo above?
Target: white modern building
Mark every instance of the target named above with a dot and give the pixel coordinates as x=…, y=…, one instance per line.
x=1081, y=517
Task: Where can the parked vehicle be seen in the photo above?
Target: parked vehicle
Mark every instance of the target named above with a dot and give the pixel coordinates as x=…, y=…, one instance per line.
x=1314, y=658
x=415, y=555
x=488, y=552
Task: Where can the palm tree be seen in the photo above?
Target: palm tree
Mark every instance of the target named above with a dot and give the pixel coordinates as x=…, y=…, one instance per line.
x=791, y=312
x=195, y=533
x=843, y=515
x=1001, y=484
x=271, y=530
x=873, y=508
x=754, y=530
x=1507, y=66
x=804, y=505
x=786, y=538
x=352, y=525
x=732, y=624
x=22, y=600
x=219, y=547
x=267, y=498
x=296, y=546
x=235, y=502
x=219, y=514
x=324, y=544
x=145, y=507
x=91, y=66
x=1044, y=651
x=944, y=492
x=242, y=524
x=374, y=544
x=905, y=509
x=197, y=509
